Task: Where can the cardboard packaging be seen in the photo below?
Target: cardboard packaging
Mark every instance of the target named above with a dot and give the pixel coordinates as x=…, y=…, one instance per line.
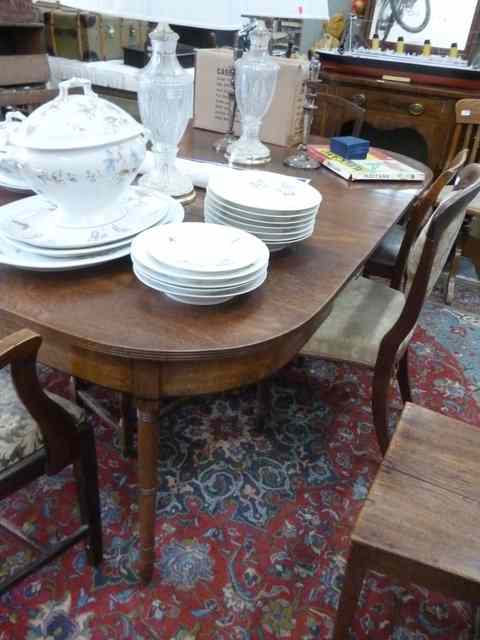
x=283, y=123
x=24, y=69
x=15, y=11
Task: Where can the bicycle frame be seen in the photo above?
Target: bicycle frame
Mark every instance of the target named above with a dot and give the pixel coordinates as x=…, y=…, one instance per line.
x=393, y=11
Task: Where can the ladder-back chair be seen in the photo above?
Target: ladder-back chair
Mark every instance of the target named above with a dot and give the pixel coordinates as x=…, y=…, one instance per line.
x=465, y=135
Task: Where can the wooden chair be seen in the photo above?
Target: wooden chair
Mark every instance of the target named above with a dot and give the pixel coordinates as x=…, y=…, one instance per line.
x=48, y=434
x=466, y=134
x=395, y=245
x=334, y=113
x=371, y=324
x=420, y=521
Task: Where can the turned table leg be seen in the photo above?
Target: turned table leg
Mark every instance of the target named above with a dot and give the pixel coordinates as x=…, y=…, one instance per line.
x=127, y=425
x=148, y=415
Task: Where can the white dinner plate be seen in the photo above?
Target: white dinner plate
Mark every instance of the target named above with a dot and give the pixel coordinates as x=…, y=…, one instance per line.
x=32, y=221
x=202, y=292
x=194, y=283
x=176, y=216
x=196, y=247
x=141, y=256
x=261, y=232
x=268, y=217
x=266, y=237
x=70, y=253
x=13, y=257
x=264, y=191
x=195, y=299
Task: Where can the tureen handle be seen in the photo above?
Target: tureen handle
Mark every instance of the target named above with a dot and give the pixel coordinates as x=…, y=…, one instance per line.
x=15, y=115
x=81, y=83
x=9, y=160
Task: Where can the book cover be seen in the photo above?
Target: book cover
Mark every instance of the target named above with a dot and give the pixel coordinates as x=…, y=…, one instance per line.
x=378, y=165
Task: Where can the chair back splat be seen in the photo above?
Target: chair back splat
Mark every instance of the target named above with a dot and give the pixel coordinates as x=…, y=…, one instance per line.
x=467, y=129
x=334, y=113
x=429, y=254
x=420, y=211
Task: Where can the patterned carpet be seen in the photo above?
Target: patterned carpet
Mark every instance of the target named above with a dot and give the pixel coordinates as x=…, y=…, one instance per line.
x=252, y=530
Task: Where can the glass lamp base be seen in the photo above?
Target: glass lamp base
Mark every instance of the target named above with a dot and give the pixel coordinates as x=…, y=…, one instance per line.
x=248, y=152
x=222, y=144
x=172, y=183
x=301, y=160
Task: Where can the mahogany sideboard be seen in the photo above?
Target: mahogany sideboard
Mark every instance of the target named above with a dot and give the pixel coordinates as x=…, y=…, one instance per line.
x=391, y=107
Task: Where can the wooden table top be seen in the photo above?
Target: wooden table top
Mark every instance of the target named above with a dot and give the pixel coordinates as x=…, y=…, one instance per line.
x=107, y=310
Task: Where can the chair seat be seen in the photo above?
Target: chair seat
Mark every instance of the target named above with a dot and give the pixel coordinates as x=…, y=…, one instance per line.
x=19, y=433
x=387, y=251
x=361, y=316
x=424, y=502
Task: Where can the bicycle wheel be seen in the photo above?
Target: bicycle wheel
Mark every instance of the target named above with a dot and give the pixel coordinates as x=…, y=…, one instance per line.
x=398, y=8
x=385, y=20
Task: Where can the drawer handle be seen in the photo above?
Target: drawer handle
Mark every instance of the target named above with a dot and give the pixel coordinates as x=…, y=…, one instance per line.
x=416, y=109
x=360, y=99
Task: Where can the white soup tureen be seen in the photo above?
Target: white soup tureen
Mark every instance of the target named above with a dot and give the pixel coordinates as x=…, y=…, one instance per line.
x=81, y=152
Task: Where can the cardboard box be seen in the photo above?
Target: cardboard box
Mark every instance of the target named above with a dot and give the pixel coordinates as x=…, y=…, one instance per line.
x=283, y=123
x=15, y=11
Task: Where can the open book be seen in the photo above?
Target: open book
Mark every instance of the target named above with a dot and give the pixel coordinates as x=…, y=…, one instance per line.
x=378, y=165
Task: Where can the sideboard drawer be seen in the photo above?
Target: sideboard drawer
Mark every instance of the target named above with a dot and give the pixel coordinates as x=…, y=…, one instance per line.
x=404, y=104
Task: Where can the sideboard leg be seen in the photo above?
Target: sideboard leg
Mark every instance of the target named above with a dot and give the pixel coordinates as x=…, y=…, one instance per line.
x=147, y=412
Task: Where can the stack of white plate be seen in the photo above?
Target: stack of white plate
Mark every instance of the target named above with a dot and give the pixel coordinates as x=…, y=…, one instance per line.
x=31, y=238
x=280, y=210
x=201, y=264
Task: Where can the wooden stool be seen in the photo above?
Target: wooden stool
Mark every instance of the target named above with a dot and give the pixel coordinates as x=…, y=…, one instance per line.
x=421, y=520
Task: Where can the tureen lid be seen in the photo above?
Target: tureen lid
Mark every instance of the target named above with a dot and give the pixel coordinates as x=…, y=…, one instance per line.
x=75, y=121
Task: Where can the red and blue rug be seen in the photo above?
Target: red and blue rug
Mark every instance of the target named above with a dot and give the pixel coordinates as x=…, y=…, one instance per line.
x=252, y=530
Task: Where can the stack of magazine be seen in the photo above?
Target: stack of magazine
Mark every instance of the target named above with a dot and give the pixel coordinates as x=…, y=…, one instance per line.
x=378, y=165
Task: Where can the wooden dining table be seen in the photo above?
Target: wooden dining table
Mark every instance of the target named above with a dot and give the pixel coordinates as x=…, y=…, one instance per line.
x=102, y=325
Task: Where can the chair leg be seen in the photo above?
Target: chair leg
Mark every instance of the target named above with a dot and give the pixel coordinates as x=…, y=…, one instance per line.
x=74, y=386
x=475, y=621
x=86, y=473
x=263, y=405
x=380, y=408
x=352, y=586
x=127, y=424
x=454, y=266
x=404, y=379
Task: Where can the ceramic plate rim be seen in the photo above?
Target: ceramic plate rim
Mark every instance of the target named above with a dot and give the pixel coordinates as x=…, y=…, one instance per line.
x=255, y=285
x=211, y=204
x=140, y=246
x=251, y=228
x=172, y=205
x=172, y=285
x=257, y=247
x=224, y=184
x=265, y=213
x=267, y=238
